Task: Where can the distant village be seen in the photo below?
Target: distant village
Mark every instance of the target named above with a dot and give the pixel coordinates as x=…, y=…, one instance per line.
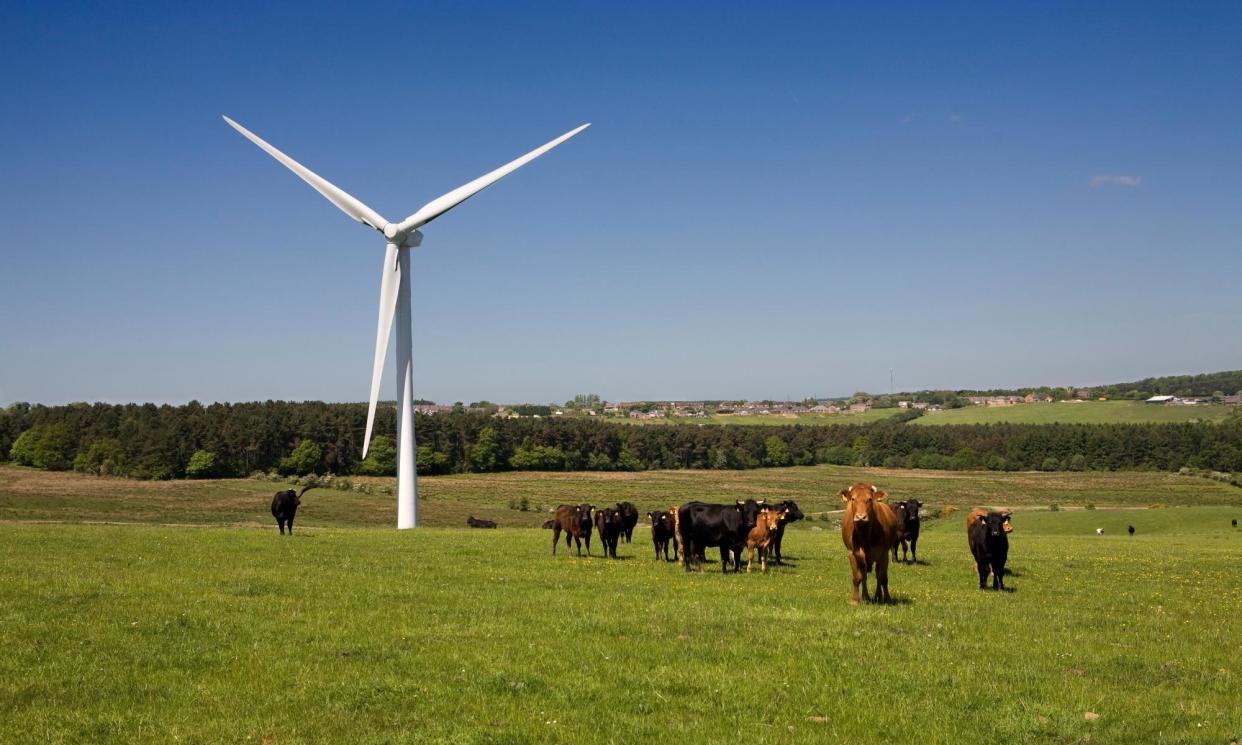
x=590, y=405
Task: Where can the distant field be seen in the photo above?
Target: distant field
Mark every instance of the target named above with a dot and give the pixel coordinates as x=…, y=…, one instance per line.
x=27, y=494
x=1084, y=412
x=866, y=417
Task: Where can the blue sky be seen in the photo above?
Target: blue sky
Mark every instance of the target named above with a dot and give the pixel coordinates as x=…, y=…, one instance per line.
x=774, y=200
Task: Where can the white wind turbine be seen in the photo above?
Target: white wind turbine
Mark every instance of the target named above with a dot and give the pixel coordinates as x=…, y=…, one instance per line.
x=395, y=295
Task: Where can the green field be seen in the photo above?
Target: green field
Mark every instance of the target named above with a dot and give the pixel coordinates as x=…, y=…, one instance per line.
x=865, y=417
x=1079, y=412
x=215, y=630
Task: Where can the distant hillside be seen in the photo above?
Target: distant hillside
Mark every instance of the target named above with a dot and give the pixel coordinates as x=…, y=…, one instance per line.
x=1228, y=382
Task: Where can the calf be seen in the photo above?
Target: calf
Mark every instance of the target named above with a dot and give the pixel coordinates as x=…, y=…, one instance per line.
x=575, y=520
x=989, y=544
x=662, y=532
x=474, y=522
x=869, y=530
x=547, y=525
x=701, y=525
x=609, y=524
x=285, y=507
x=792, y=515
x=629, y=518
x=908, y=529
x=761, y=536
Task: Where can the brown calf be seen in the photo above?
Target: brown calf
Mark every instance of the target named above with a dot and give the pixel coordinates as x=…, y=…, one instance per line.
x=761, y=536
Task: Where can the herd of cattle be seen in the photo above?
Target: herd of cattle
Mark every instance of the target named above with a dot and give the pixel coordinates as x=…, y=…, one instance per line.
x=871, y=529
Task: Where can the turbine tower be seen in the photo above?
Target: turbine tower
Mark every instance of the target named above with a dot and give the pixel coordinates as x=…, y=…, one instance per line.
x=400, y=237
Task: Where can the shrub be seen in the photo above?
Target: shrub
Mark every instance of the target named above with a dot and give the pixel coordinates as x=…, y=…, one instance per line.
x=202, y=465
x=44, y=446
x=306, y=458
x=1091, y=505
x=946, y=511
x=381, y=458
x=104, y=457
x=524, y=504
x=1158, y=506
x=1054, y=507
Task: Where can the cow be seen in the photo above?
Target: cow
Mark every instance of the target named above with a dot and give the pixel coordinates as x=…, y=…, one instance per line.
x=547, y=525
x=662, y=532
x=908, y=529
x=989, y=544
x=792, y=515
x=575, y=520
x=629, y=518
x=1099, y=531
x=725, y=525
x=1130, y=530
x=285, y=507
x=609, y=524
x=868, y=530
x=1234, y=522
x=475, y=522
x=760, y=537
x=978, y=513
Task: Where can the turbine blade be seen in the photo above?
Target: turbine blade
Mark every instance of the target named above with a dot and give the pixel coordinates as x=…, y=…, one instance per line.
x=390, y=280
x=330, y=191
x=440, y=205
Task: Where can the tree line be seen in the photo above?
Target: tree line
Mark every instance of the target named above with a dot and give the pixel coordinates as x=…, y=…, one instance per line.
x=147, y=441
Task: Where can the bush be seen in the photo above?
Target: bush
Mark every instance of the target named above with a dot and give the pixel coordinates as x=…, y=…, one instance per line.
x=381, y=458
x=305, y=458
x=946, y=511
x=431, y=461
x=1091, y=505
x=1158, y=506
x=44, y=446
x=1054, y=508
x=538, y=458
x=202, y=465
x=104, y=457
x=776, y=452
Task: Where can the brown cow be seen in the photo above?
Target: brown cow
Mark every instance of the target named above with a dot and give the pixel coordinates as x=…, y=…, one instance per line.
x=869, y=530
x=575, y=520
x=761, y=536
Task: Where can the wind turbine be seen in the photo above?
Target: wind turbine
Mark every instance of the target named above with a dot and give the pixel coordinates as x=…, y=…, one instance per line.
x=395, y=295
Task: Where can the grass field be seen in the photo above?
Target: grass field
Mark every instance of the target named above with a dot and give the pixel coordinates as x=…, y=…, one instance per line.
x=218, y=631
x=1080, y=412
x=865, y=417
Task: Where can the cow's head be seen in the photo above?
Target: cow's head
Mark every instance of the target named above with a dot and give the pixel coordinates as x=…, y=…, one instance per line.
x=582, y=513
x=771, y=518
x=860, y=500
x=792, y=513
x=995, y=523
x=750, y=511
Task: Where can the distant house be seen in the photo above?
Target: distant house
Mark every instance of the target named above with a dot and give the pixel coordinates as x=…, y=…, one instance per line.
x=903, y=404
x=921, y=405
x=1083, y=393
x=820, y=409
x=1234, y=400
x=1161, y=400
x=859, y=408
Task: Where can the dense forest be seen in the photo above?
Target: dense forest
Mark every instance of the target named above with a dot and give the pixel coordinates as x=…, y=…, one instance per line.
x=161, y=442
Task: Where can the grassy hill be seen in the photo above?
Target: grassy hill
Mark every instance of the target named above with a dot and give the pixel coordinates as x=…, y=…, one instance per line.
x=865, y=417
x=1078, y=412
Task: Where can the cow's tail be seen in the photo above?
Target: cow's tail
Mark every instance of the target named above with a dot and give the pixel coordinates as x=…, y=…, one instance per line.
x=305, y=489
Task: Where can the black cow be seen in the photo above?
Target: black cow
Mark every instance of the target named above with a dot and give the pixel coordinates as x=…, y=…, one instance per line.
x=663, y=533
x=575, y=520
x=609, y=524
x=907, y=529
x=285, y=507
x=1130, y=530
x=990, y=546
x=792, y=515
x=629, y=518
x=1235, y=522
x=474, y=522
x=724, y=525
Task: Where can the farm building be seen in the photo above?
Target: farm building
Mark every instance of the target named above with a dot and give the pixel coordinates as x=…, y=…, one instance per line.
x=1161, y=400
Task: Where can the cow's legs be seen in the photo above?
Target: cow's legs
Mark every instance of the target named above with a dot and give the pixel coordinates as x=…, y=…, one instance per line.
x=881, y=578
x=982, y=566
x=556, y=536
x=281, y=523
x=998, y=577
x=914, y=557
x=860, y=578
x=291, y=525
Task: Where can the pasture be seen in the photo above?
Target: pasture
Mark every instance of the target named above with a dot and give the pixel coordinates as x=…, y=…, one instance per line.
x=863, y=417
x=213, y=630
x=1079, y=412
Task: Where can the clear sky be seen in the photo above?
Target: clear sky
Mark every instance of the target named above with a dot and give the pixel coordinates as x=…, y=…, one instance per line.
x=776, y=199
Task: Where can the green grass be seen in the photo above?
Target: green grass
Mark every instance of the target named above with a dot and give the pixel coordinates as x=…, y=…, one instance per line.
x=865, y=417
x=1081, y=412
x=223, y=632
